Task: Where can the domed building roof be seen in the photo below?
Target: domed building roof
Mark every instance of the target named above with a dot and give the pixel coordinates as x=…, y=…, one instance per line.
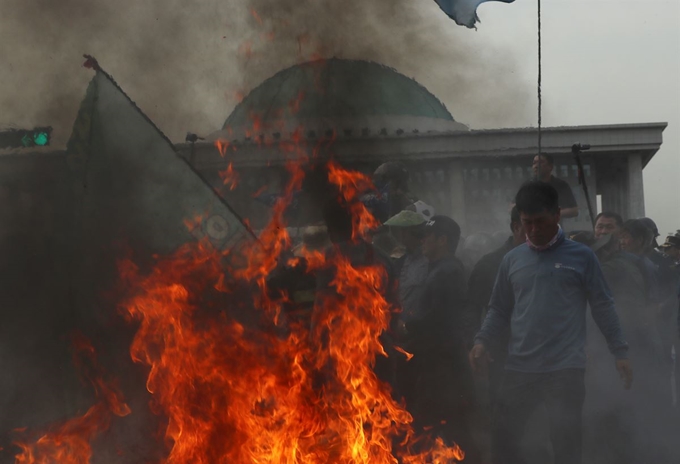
x=348, y=96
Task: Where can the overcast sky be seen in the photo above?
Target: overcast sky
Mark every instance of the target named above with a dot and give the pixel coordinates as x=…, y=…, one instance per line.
x=605, y=61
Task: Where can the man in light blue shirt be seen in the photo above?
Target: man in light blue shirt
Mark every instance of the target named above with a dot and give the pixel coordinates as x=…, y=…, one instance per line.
x=541, y=292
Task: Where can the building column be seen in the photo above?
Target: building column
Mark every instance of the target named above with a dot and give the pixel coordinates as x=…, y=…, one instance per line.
x=457, y=193
x=636, y=196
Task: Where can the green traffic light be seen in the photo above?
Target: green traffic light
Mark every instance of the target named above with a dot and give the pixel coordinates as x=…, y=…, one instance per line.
x=41, y=138
x=25, y=138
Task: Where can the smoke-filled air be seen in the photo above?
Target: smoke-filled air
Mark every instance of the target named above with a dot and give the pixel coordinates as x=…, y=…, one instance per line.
x=187, y=65
x=328, y=232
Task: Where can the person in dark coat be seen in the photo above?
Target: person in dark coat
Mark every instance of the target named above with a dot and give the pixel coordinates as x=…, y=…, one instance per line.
x=621, y=426
x=668, y=281
x=480, y=286
x=635, y=238
x=671, y=248
x=438, y=338
x=542, y=167
x=411, y=271
x=608, y=223
x=392, y=193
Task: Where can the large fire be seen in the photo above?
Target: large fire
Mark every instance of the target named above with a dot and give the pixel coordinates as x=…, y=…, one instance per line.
x=234, y=378
x=260, y=388
x=271, y=390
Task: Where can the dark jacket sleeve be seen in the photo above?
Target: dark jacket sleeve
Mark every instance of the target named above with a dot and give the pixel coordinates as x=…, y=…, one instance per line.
x=567, y=199
x=478, y=285
x=603, y=309
x=502, y=302
x=447, y=321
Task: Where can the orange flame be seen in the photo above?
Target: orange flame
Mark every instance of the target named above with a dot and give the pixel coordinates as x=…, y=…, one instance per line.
x=351, y=185
x=222, y=146
x=70, y=441
x=408, y=355
x=229, y=176
x=234, y=379
x=270, y=391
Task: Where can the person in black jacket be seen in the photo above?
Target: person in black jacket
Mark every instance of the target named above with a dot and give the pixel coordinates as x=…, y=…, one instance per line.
x=671, y=248
x=439, y=338
x=542, y=167
x=480, y=286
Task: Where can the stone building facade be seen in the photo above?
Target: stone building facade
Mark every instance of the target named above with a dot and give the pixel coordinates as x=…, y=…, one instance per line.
x=363, y=114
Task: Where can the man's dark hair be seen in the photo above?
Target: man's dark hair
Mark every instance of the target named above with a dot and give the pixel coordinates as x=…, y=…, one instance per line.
x=610, y=215
x=638, y=230
x=535, y=197
x=514, y=217
x=443, y=226
x=547, y=158
x=393, y=173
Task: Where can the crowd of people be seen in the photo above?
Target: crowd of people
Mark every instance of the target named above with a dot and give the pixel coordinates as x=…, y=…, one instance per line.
x=536, y=334
x=555, y=347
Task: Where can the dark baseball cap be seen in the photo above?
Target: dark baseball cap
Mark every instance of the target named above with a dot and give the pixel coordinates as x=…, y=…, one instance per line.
x=650, y=224
x=443, y=225
x=673, y=240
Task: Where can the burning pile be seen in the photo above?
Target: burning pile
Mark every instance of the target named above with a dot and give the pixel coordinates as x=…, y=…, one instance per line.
x=235, y=381
x=71, y=442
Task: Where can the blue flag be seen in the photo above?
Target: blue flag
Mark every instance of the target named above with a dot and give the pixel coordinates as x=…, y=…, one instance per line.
x=464, y=12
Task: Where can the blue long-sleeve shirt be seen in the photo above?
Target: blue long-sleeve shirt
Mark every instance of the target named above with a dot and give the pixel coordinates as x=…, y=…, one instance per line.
x=542, y=296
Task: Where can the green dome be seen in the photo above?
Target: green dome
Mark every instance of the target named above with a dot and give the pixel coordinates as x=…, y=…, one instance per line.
x=336, y=89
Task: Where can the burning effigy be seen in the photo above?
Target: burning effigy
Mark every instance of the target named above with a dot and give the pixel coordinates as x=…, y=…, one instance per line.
x=231, y=374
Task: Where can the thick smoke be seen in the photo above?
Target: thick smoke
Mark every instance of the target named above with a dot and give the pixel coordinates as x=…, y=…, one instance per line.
x=186, y=63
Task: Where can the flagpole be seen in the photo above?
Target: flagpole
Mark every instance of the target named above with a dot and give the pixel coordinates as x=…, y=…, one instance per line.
x=540, y=78
x=576, y=151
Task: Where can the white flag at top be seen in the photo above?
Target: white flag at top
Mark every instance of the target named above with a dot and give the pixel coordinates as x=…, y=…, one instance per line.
x=464, y=12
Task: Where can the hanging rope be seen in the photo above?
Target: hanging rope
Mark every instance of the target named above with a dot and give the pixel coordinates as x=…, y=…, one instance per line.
x=540, y=102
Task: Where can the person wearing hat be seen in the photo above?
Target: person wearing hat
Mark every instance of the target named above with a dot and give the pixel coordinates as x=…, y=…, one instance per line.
x=411, y=271
x=444, y=389
x=666, y=302
x=671, y=247
x=411, y=268
x=651, y=225
x=667, y=258
x=635, y=238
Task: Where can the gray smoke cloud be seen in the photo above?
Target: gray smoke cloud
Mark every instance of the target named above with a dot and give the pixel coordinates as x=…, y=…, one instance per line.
x=186, y=63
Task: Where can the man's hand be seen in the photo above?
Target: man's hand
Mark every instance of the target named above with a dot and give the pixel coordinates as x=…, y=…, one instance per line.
x=479, y=358
x=625, y=372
